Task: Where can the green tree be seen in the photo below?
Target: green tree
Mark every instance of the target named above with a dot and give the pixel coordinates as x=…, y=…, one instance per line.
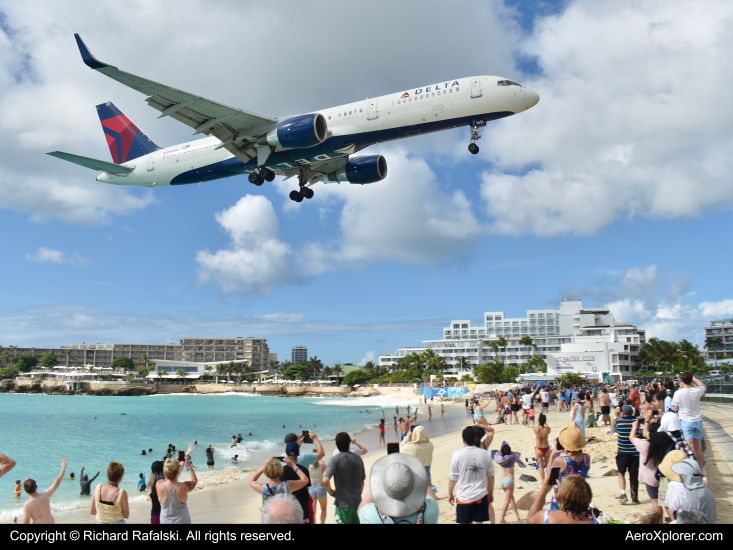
x=221, y=370
x=180, y=373
x=509, y=375
x=26, y=362
x=49, y=360
x=466, y=378
x=67, y=353
x=526, y=341
x=502, y=343
x=462, y=363
x=162, y=373
x=124, y=363
x=412, y=361
x=315, y=364
x=572, y=378
x=274, y=366
x=489, y=373
x=337, y=370
x=6, y=358
x=208, y=369
x=143, y=372
x=296, y=372
x=356, y=377
x=725, y=367
x=714, y=342
x=326, y=372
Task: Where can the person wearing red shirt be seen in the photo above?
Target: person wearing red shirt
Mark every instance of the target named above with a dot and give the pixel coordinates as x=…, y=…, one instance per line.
x=635, y=397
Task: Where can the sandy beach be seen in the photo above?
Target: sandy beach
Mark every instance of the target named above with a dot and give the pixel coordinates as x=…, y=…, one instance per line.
x=236, y=502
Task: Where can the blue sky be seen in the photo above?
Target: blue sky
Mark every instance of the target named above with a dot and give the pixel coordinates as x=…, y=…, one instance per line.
x=605, y=189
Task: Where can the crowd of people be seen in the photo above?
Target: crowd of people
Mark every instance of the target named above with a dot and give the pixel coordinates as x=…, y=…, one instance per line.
x=660, y=442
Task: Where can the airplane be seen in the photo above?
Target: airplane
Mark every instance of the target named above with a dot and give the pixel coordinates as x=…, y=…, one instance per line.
x=315, y=147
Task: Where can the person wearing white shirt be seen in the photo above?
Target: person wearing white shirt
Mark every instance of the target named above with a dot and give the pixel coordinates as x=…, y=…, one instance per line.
x=471, y=479
x=686, y=403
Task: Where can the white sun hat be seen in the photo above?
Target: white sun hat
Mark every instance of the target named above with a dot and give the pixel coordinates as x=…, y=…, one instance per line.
x=399, y=484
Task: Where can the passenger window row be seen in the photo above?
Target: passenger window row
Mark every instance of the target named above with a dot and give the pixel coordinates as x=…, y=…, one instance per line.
x=424, y=96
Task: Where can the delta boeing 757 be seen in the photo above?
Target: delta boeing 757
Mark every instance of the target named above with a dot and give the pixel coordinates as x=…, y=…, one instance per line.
x=316, y=147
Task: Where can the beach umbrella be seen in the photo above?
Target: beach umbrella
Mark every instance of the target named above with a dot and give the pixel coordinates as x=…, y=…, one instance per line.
x=540, y=384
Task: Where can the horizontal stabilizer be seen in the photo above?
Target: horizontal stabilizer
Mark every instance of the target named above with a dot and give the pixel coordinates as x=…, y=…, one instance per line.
x=94, y=164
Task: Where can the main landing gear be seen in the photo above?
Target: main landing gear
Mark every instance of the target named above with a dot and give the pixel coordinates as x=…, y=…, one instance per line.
x=303, y=191
x=472, y=147
x=264, y=175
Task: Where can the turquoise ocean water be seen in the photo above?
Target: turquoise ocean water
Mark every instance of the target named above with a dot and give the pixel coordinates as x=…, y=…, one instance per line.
x=39, y=430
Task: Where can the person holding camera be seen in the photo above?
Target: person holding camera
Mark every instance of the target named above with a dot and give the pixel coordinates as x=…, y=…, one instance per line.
x=574, y=497
x=172, y=495
x=273, y=469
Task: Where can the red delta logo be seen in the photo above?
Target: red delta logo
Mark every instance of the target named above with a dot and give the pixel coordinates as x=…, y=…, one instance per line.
x=403, y=96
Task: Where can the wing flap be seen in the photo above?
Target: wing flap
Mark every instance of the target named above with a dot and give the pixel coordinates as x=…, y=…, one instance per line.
x=93, y=164
x=198, y=110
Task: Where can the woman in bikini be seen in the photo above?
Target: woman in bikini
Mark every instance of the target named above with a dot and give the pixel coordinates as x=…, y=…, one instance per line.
x=381, y=432
x=507, y=459
x=478, y=414
x=571, y=460
x=542, y=445
x=274, y=469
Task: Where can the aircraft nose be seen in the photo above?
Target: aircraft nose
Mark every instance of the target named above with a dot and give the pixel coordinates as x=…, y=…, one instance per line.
x=531, y=97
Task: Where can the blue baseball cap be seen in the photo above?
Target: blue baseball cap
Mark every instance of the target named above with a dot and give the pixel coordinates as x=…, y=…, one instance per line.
x=292, y=448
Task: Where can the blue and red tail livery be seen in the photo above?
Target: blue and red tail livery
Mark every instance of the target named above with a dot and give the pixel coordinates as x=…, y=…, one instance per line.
x=126, y=141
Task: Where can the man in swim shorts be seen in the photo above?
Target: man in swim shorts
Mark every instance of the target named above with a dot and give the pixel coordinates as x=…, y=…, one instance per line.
x=605, y=400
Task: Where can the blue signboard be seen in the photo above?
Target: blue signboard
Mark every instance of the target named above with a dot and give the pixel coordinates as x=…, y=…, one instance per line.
x=443, y=392
x=606, y=376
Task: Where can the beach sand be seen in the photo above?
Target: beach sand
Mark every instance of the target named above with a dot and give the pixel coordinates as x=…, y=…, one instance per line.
x=236, y=502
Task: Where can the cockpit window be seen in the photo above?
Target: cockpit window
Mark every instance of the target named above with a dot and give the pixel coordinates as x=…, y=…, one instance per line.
x=508, y=83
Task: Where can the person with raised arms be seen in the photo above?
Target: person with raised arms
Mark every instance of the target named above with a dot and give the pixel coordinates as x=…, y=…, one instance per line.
x=38, y=507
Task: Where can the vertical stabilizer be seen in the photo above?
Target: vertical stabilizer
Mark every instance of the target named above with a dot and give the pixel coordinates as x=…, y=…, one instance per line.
x=126, y=141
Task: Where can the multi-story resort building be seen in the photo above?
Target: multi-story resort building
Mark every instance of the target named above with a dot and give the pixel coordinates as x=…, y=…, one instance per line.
x=553, y=332
x=299, y=354
x=722, y=330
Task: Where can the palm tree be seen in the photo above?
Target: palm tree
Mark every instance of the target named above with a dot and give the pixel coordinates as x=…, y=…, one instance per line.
x=5, y=357
x=162, y=373
x=413, y=361
x=462, y=362
x=90, y=369
x=489, y=373
x=714, y=342
x=208, y=369
x=326, y=372
x=316, y=364
x=526, y=341
x=66, y=352
x=220, y=371
x=337, y=370
x=494, y=345
x=143, y=361
x=502, y=343
x=274, y=365
x=180, y=373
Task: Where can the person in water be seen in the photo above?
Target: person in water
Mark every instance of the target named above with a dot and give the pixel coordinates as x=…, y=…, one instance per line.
x=234, y=441
x=85, y=483
x=234, y=458
x=239, y=438
x=143, y=453
x=71, y=476
x=141, y=483
x=16, y=493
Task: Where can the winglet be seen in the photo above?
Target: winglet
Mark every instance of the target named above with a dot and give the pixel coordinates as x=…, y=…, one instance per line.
x=87, y=56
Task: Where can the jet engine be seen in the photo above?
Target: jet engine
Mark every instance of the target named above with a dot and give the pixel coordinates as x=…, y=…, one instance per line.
x=299, y=132
x=361, y=170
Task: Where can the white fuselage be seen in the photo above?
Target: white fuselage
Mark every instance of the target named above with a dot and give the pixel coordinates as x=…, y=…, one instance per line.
x=351, y=127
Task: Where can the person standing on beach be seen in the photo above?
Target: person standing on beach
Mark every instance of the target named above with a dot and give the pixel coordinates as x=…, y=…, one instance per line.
x=442, y=410
x=471, y=479
x=156, y=475
x=303, y=494
x=507, y=459
x=210, y=457
x=605, y=401
x=38, y=507
x=381, y=432
x=6, y=464
x=628, y=456
x=85, y=483
x=395, y=426
x=110, y=504
x=430, y=413
x=347, y=470
x=686, y=403
x=173, y=496
x=405, y=425
x=542, y=444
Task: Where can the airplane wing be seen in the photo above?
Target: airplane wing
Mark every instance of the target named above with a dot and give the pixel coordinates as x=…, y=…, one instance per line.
x=318, y=171
x=94, y=164
x=237, y=129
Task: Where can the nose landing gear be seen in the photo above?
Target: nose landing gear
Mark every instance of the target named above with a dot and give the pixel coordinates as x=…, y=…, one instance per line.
x=472, y=147
x=303, y=192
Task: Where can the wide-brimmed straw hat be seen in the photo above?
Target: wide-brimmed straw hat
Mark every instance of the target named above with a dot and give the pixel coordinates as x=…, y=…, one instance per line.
x=571, y=438
x=399, y=484
x=672, y=458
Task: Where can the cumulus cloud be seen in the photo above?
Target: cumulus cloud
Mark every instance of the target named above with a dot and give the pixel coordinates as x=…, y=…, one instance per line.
x=257, y=260
x=630, y=127
x=57, y=257
x=408, y=217
x=647, y=299
x=369, y=356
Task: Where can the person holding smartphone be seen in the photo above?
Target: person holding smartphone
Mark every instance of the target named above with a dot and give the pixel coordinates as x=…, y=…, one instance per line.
x=172, y=495
x=273, y=469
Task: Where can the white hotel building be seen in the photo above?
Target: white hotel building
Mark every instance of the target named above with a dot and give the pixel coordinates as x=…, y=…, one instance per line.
x=572, y=338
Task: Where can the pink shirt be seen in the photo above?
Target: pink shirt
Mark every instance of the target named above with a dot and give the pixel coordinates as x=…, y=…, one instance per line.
x=646, y=472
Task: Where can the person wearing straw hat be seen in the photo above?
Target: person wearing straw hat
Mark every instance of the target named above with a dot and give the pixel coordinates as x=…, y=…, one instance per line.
x=676, y=491
x=399, y=493
x=699, y=498
x=572, y=460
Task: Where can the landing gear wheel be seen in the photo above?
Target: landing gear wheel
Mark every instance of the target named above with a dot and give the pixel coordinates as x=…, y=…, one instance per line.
x=307, y=192
x=473, y=148
x=295, y=196
x=256, y=179
x=270, y=175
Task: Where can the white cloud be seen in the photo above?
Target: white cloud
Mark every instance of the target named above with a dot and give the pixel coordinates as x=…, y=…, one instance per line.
x=57, y=257
x=258, y=259
x=408, y=217
x=369, y=356
x=642, y=297
x=630, y=122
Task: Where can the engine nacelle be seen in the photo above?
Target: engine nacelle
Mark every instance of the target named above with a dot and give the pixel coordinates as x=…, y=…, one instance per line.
x=361, y=170
x=299, y=132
